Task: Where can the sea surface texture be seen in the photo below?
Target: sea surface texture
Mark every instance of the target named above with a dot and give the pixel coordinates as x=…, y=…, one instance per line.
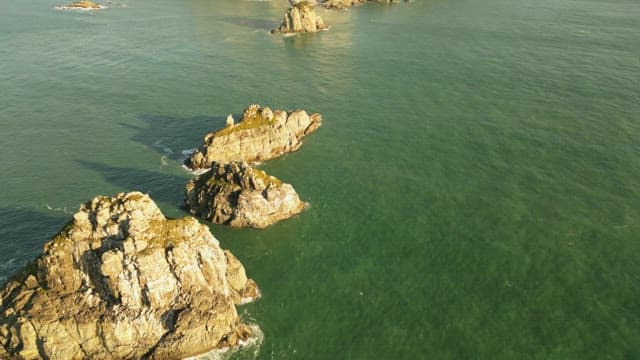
x=474, y=190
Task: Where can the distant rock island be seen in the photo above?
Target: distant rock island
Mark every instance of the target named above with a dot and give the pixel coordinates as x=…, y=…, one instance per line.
x=301, y=17
x=261, y=134
x=345, y=4
x=121, y=281
x=83, y=4
x=241, y=196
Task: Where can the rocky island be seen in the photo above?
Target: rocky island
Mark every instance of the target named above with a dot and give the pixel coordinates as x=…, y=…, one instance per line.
x=83, y=4
x=261, y=134
x=121, y=281
x=301, y=17
x=241, y=196
x=345, y=4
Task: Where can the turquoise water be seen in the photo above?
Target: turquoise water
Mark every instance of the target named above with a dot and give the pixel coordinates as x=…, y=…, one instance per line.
x=475, y=188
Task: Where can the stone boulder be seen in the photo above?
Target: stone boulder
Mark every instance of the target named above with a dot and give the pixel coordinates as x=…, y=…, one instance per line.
x=121, y=281
x=241, y=196
x=301, y=17
x=261, y=134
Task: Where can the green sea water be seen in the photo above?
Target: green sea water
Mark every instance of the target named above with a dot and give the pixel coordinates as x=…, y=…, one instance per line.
x=474, y=190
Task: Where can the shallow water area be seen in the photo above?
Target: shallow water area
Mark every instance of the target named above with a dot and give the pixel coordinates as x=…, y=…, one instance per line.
x=475, y=186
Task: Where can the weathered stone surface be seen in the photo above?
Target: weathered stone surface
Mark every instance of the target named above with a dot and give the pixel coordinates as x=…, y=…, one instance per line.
x=121, y=281
x=241, y=196
x=301, y=17
x=262, y=134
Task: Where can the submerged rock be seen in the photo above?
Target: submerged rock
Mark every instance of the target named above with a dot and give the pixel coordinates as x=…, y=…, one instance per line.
x=241, y=196
x=301, y=17
x=122, y=281
x=261, y=134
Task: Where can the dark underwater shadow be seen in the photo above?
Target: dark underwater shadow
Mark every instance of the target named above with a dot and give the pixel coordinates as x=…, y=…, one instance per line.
x=162, y=187
x=23, y=232
x=170, y=135
x=253, y=23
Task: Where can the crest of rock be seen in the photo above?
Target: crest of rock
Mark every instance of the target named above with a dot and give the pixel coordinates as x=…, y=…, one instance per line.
x=262, y=134
x=241, y=196
x=122, y=281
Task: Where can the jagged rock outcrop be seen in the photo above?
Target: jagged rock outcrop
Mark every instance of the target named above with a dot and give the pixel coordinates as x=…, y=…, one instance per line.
x=262, y=134
x=301, y=17
x=241, y=196
x=121, y=281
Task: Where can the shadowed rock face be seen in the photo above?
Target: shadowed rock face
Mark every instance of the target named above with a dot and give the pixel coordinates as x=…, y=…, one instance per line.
x=122, y=281
x=241, y=196
x=262, y=134
x=301, y=17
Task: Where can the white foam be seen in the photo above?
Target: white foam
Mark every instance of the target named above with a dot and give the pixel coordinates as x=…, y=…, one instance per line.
x=195, y=172
x=253, y=343
x=188, y=152
x=167, y=150
x=6, y=268
x=62, y=209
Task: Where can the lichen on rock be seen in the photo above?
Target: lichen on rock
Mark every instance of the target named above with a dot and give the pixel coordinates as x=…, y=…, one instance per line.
x=122, y=281
x=241, y=196
x=261, y=134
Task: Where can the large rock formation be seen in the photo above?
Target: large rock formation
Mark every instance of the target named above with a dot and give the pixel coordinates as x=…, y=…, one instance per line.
x=121, y=281
x=262, y=134
x=241, y=196
x=301, y=17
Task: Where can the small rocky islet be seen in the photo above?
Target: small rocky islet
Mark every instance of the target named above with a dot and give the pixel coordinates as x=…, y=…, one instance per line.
x=82, y=4
x=123, y=281
x=261, y=134
x=241, y=196
x=301, y=16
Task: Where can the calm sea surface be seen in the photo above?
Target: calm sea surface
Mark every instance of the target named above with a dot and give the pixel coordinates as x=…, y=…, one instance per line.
x=475, y=188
